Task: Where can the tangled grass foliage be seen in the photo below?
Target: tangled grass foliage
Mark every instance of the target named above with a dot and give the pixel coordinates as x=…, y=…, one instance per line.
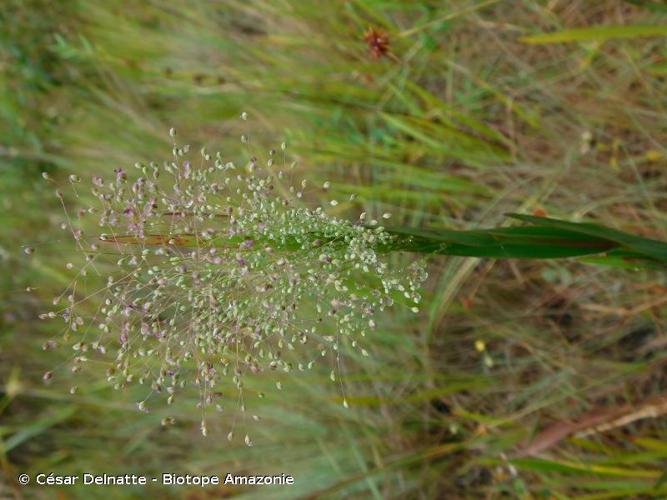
x=217, y=270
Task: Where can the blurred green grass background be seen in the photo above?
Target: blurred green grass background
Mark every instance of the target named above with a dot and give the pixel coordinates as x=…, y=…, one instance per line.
x=472, y=113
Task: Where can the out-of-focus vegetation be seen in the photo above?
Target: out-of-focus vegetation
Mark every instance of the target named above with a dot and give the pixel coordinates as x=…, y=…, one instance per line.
x=519, y=378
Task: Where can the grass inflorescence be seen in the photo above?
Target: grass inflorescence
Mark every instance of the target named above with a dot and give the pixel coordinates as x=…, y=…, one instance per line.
x=209, y=267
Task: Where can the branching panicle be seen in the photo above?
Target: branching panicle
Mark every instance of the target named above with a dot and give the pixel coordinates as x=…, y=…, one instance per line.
x=216, y=271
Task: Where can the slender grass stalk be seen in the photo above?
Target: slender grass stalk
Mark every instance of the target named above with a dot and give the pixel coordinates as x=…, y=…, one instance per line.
x=544, y=238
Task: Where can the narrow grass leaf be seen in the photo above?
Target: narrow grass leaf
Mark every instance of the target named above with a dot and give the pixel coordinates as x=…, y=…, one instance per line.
x=597, y=33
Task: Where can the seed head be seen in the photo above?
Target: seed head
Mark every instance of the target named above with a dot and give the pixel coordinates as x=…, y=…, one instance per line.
x=377, y=41
x=213, y=274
